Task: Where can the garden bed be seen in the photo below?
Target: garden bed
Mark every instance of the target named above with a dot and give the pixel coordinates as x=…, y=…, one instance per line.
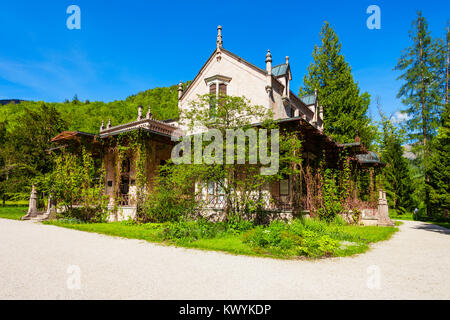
x=302, y=238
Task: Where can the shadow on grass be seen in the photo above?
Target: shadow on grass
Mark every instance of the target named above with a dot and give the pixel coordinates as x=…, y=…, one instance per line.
x=432, y=227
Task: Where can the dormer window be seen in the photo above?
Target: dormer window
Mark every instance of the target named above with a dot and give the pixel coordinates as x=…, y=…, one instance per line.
x=217, y=88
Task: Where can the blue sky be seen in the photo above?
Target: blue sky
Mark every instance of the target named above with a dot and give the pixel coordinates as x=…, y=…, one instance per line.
x=125, y=47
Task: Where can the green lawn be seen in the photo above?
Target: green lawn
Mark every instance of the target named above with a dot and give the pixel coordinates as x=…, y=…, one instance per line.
x=409, y=216
x=18, y=203
x=12, y=212
x=442, y=224
x=393, y=215
x=349, y=239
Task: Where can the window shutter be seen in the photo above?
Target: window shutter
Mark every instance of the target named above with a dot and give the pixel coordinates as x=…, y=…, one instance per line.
x=212, y=89
x=284, y=187
x=212, y=103
x=222, y=89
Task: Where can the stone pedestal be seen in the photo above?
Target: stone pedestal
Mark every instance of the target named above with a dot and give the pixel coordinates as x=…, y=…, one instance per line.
x=383, y=211
x=51, y=209
x=32, y=206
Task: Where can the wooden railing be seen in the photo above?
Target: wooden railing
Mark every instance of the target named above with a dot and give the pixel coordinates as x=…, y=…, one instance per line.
x=126, y=200
x=282, y=203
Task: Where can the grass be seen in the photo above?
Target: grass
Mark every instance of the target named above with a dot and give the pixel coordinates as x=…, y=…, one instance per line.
x=394, y=215
x=12, y=212
x=409, y=216
x=442, y=224
x=18, y=203
x=350, y=239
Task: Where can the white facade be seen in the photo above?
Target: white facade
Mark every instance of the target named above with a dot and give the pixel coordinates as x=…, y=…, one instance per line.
x=268, y=88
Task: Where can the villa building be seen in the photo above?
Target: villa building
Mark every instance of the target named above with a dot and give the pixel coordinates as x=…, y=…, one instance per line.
x=223, y=73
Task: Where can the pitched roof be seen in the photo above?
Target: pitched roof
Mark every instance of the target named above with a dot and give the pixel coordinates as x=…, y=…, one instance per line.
x=369, y=158
x=280, y=70
x=69, y=135
x=309, y=99
x=231, y=54
x=151, y=125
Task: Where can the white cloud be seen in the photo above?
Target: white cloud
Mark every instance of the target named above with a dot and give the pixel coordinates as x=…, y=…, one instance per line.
x=399, y=117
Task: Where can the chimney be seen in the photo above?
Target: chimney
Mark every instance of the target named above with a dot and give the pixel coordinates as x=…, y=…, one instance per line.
x=180, y=90
x=109, y=124
x=102, y=127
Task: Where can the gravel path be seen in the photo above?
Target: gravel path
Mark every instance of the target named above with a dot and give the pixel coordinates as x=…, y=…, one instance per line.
x=36, y=260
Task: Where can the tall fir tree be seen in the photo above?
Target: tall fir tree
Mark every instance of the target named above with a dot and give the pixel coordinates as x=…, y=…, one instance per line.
x=438, y=185
x=396, y=174
x=443, y=60
x=421, y=65
x=344, y=108
x=420, y=91
x=3, y=164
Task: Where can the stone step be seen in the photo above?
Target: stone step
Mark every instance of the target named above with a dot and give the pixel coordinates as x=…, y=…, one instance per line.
x=38, y=217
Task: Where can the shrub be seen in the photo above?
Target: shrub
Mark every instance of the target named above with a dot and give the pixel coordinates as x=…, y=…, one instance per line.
x=340, y=221
x=192, y=230
x=165, y=205
x=236, y=225
x=70, y=221
x=86, y=214
x=305, y=237
x=330, y=197
x=129, y=222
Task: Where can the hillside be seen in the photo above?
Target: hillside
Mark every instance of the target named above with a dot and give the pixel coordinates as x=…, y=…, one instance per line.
x=88, y=116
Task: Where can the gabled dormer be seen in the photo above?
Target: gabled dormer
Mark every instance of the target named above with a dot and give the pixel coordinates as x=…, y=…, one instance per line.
x=225, y=72
x=282, y=73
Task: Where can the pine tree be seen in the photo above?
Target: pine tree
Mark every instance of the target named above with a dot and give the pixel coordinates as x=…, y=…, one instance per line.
x=396, y=174
x=419, y=93
x=345, y=109
x=438, y=185
x=443, y=60
x=420, y=64
x=3, y=168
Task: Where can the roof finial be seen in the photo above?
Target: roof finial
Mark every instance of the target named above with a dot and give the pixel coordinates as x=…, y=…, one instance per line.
x=139, y=113
x=268, y=56
x=180, y=90
x=219, y=37
x=269, y=62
